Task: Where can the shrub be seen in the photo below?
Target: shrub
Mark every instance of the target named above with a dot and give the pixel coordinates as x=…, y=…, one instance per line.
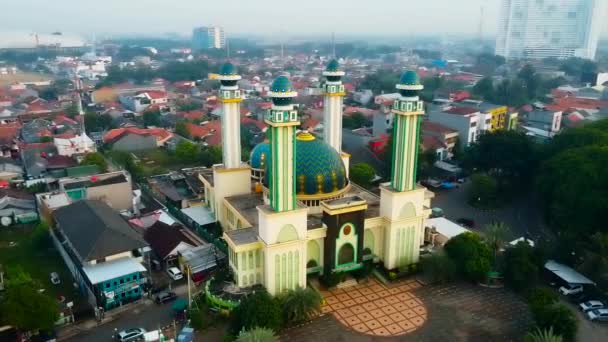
x=540, y=297
x=559, y=317
x=300, y=305
x=520, y=269
x=439, y=267
x=539, y=335
x=470, y=255
x=257, y=335
x=258, y=310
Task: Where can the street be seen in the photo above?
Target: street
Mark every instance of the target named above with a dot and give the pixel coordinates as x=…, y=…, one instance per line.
x=522, y=215
x=149, y=316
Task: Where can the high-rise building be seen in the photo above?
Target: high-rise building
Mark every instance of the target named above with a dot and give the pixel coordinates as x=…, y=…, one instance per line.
x=550, y=28
x=211, y=37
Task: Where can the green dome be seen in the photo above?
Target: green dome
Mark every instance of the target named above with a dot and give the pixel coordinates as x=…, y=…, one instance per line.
x=410, y=78
x=319, y=168
x=281, y=84
x=228, y=69
x=259, y=156
x=333, y=65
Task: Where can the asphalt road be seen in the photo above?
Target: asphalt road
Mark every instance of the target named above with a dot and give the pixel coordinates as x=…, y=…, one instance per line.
x=521, y=216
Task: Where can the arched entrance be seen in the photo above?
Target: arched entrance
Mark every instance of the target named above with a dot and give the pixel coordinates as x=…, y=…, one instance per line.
x=346, y=254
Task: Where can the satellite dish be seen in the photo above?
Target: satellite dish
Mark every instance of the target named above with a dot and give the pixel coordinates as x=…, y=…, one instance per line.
x=6, y=221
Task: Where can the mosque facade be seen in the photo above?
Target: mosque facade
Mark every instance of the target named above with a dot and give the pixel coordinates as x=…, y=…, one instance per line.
x=292, y=211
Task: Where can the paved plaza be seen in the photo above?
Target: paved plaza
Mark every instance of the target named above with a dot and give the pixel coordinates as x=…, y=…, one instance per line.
x=453, y=312
x=375, y=309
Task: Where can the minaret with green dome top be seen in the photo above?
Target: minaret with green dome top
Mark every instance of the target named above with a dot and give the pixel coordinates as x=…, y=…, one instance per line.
x=282, y=120
x=334, y=96
x=408, y=111
x=230, y=97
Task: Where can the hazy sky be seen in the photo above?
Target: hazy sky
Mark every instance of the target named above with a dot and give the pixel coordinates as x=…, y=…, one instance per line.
x=276, y=17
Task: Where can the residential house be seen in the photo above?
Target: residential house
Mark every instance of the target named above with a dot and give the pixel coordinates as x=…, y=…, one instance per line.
x=10, y=169
x=176, y=189
x=8, y=139
x=136, y=139
x=144, y=99
x=462, y=119
x=209, y=132
x=102, y=252
x=78, y=145
x=17, y=206
x=548, y=121
x=33, y=157
x=113, y=188
x=501, y=117
x=166, y=241
x=440, y=137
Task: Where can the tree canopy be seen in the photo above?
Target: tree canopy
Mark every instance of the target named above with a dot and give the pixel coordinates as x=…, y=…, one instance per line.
x=471, y=256
x=95, y=159
x=362, y=174
x=258, y=310
x=24, y=307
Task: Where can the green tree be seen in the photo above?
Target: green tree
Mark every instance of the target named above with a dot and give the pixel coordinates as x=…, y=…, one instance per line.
x=595, y=258
x=152, y=118
x=257, y=335
x=187, y=106
x=543, y=335
x=187, y=152
x=95, y=159
x=483, y=192
x=559, y=317
x=72, y=111
x=439, y=267
x=362, y=174
x=484, y=88
x=182, y=129
x=258, y=310
x=540, y=297
x=495, y=235
x=300, y=305
x=532, y=81
x=46, y=139
x=24, y=307
x=381, y=81
x=471, y=256
x=521, y=269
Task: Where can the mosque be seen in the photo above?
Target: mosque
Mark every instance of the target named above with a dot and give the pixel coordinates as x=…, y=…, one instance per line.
x=292, y=210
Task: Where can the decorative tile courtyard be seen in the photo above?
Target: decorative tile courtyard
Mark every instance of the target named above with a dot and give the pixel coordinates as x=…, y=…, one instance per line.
x=375, y=309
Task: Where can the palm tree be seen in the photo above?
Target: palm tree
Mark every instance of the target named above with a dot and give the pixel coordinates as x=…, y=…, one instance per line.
x=257, y=334
x=495, y=235
x=543, y=336
x=301, y=304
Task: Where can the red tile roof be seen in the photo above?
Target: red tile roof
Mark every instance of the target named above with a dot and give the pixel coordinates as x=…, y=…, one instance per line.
x=436, y=127
x=211, y=132
x=430, y=142
x=191, y=115
x=245, y=120
x=461, y=110
x=117, y=133
x=8, y=133
x=310, y=123
x=154, y=94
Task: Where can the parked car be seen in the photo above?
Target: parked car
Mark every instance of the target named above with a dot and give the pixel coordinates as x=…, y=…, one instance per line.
x=133, y=334
x=175, y=273
x=466, y=222
x=591, y=305
x=598, y=315
x=164, y=296
x=571, y=289
x=55, y=278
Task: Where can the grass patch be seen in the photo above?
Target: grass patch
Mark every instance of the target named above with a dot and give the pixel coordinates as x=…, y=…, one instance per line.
x=159, y=161
x=21, y=246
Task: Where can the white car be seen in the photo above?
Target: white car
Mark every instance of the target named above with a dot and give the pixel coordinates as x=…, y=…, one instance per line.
x=133, y=334
x=570, y=289
x=591, y=305
x=175, y=273
x=598, y=315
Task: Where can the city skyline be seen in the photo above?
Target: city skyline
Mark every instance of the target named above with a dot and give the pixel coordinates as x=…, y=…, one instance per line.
x=264, y=17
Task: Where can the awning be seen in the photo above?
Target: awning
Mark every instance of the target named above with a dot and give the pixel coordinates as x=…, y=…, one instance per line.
x=567, y=274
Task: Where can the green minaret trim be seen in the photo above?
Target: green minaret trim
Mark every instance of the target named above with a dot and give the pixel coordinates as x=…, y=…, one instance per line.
x=408, y=110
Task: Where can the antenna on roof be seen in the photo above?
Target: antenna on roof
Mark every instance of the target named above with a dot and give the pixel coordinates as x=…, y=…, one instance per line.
x=333, y=44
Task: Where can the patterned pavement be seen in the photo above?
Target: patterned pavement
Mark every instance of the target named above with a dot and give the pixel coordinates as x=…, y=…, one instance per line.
x=377, y=310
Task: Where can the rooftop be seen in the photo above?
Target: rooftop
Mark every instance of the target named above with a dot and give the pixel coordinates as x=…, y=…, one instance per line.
x=461, y=110
x=112, y=269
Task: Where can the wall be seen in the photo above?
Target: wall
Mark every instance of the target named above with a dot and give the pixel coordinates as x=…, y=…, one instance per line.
x=462, y=124
x=119, y=196
x=126, y=289
x=134, y=142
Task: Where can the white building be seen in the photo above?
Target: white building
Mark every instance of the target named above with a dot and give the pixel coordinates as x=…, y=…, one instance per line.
x=465, y=120
x=80, y=144
x=211, y=37
x=550, y=28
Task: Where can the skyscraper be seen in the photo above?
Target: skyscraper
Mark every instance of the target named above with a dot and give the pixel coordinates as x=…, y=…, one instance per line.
x=550, y=28
x=211, y=37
